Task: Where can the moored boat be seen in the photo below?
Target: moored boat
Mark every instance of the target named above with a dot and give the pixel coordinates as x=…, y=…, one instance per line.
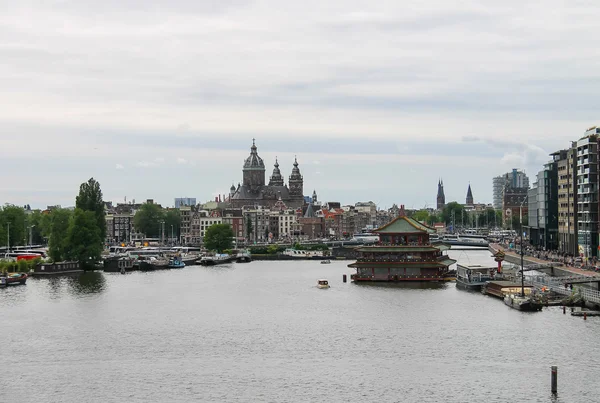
x=175, y=263
x=13, y=279
x=119, y=264
x=242, y=256
x=218, y=258
x=323, y=283
x=473, y=277
x=327, y=261
x=502, y=288
x=522, y=303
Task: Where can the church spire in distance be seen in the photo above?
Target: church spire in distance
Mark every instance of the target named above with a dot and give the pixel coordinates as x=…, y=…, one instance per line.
x=441, y=198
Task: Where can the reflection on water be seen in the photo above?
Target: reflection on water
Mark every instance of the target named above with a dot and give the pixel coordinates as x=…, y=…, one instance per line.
x=87, y=283
x=406, y=285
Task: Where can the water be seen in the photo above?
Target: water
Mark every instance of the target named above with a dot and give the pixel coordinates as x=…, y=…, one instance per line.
x=262, y=332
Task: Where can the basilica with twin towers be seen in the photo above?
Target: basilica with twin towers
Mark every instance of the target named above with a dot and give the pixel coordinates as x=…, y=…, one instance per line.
x=254, y=191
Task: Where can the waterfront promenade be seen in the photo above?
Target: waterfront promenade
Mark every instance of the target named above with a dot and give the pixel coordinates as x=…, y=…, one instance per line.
x=494, y=247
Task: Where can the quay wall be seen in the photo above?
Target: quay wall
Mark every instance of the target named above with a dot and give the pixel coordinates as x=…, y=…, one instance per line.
x=562, y=271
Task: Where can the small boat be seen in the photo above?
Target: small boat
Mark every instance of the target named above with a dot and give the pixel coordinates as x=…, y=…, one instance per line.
x=473, y=277
x=175, y=263
x=322, y=283
x=325, y=261
x=12, y=279
x=521, y=303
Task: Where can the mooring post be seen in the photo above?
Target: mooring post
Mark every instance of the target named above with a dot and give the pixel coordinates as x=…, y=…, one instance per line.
x=585, y=316
x=554, y=382
x=564, y=310
x=344, y=278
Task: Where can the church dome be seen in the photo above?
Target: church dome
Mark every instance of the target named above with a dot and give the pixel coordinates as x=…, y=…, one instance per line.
x=254, y=161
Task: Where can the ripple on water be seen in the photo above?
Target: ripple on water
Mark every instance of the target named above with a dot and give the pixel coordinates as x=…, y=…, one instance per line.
x=263, y=332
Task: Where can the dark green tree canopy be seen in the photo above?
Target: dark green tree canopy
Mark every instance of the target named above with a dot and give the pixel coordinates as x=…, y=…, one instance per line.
x=60, y=221
x=15, y=217
x=218, y=237
x=83, y=239
x=90, y=199
x=172, y=218
x=147, y=219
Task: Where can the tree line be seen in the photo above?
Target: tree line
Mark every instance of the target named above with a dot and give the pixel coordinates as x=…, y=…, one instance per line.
x=71, y=234
x=456, y=212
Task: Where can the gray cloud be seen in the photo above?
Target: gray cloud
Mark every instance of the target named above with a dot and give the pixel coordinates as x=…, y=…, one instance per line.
x=123, y=83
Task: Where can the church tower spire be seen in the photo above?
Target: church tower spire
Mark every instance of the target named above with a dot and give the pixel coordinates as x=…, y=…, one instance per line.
x=441, y=198
x=276, y=178
x=469, y=200
x=296, y=182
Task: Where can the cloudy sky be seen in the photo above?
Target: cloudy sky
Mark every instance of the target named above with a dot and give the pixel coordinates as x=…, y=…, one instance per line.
x=378, y=99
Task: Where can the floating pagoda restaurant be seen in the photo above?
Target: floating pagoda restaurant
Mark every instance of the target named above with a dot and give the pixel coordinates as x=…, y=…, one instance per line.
x=404, y=253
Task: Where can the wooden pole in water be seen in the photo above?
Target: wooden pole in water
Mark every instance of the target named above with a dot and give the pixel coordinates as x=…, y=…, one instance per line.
x=344, y=278
x=554, y=382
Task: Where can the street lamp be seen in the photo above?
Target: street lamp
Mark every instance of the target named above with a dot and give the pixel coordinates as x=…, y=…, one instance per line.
x=522, y=249
x=31, y=235
x=8, y=238
x=171, y=232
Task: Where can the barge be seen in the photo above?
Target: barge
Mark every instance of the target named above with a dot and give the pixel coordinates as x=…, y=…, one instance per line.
x=404, y=253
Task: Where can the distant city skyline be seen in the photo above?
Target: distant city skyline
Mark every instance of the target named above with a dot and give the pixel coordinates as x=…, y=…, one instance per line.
x=378, y=101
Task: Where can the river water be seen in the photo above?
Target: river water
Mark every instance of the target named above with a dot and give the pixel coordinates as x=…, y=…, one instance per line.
x=262, y=332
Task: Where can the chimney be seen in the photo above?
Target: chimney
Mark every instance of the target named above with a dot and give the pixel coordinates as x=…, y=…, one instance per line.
x=402, y=213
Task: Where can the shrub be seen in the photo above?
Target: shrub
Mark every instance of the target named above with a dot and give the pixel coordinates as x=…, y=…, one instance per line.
x=22, y=266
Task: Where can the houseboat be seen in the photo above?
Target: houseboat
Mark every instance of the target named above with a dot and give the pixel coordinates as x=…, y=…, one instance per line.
x=521, y=303
x=217, y=258
x=473, y=277
x=502, y=288
x=403, y=253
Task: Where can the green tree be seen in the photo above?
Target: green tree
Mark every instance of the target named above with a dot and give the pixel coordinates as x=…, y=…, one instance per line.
x=458, y=209
x=46, y=225
x=13, y=216
x=33, y=223
x=218, y=237
x=60, y=220
x=90, y=199
x=172, y=220
x=147, y=219
x=421, y=215
x=84, y=238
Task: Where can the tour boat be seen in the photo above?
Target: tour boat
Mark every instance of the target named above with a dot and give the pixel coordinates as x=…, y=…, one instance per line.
x=322, y=283
x=12, y=279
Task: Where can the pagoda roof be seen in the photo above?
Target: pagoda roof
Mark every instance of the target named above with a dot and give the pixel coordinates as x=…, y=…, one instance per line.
x=402, y=248
x=404, y=225
x=422, y=265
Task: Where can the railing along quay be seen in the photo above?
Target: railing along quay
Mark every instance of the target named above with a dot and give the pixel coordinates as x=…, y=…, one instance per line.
x=557, y=285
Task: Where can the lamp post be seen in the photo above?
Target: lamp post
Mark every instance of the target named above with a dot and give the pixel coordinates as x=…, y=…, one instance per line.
x=171, y=232
x=162, y=233
x=522, y=249
x=8, y=238
x=31, y=235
